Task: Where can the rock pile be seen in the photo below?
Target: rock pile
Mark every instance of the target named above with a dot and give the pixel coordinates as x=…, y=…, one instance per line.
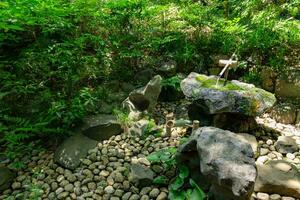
x=232, y=107
x=105, y=173
x=225, y=164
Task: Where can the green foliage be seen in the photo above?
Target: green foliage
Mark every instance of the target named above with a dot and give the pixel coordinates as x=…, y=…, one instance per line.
x=173, y=82
x=165, y=157
x=122, y=116
x=179, y=191
x=152, y=129
x=196, y=193
x=56, y=56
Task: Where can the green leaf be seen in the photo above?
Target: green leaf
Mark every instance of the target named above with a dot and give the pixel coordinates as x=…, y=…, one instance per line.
x=153, y=158
x=197, y=193
x=177, y=195
x=161, y=180
x=183, y=172
x=178, y=183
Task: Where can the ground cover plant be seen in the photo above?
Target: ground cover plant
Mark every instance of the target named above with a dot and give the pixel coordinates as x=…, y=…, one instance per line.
x=57, y=55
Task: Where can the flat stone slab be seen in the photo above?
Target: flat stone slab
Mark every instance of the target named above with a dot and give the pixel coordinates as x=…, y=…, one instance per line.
x=278, y=177
x=74, y=148
x=234, y=97
x=101, y=127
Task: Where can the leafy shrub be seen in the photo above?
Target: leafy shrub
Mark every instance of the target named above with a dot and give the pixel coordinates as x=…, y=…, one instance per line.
x=177, y=187
x=173, y=82
x=56, y=54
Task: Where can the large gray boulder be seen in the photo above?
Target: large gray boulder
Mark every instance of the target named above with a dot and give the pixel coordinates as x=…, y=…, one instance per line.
x=101, y=127
x=234, y=97
x=141, y=175
x=286, y=144
x=6, y=178
x=221, y=161
x=143, y=99
x=284, y=113
x=76, y=147
x=278, y=177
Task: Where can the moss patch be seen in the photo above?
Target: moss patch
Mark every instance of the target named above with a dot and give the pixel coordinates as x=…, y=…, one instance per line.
x=212, y=83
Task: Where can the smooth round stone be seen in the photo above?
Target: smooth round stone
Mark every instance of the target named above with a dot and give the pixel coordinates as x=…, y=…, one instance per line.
x=96, y=196
x=60, y=178
x=109, y=189
x=60, y=170
x=54, y=186
x=114, y=198
x=272, y=148
x=86, y=181
x=69, y=188
x=162, y=196
x=71, y=177
x=21, y=178
x=126, y=185
x=262, y=159
x=287, y=198
x=16, y=185
x=118, y=138
x=269, y=142
x=154, y=193
x=290, y=156
x=84, y=189
x=145, y=190
x=58, y=191
x=145, y=197
x=77, y=191
x=126, y=196
x=41, y=177
x=92, y=167
x=64, y=183
x=110, y=180
x=119, y=177
x=92, y=186
x=264, y=151
x=63, y=195
x=272, y=155
x=134, y=197
x=262, y=196
x=99, y=190
x=87, y=194
x=118, y=193
x=275, y=197
x=86, y=162
x=296, y=160
x=144, y=161
x=104, y=173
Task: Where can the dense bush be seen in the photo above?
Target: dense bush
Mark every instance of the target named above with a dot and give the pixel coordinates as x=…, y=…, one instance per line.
x=56, y=55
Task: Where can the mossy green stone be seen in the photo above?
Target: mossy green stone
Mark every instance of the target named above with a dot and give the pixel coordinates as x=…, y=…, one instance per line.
x=212, y=83
x=233, y=97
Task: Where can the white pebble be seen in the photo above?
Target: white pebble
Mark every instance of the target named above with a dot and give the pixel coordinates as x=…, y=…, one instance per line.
x=290, y=156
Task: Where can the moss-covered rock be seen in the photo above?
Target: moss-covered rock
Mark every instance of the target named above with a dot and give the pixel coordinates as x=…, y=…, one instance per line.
x=235, y=97
x=6, y=178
